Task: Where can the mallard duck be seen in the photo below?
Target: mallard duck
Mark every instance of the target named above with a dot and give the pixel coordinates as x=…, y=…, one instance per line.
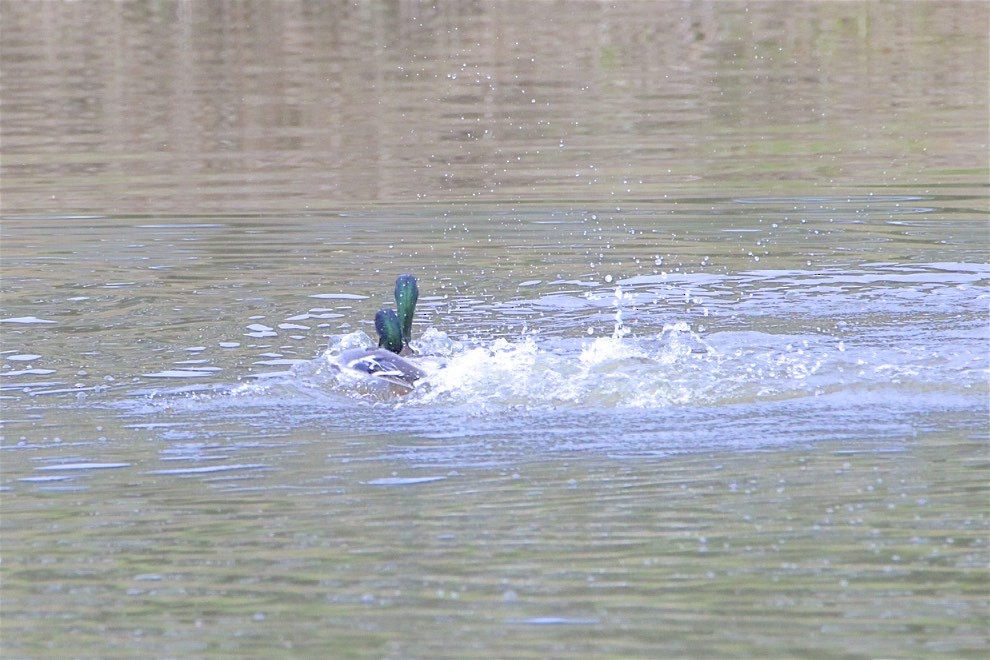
x=394, y=333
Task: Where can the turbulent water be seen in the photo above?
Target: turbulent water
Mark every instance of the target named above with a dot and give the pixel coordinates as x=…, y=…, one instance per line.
x=633, y=367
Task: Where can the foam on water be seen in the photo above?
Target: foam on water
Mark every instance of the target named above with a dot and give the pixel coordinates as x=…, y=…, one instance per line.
x=645, y=365
x=676, y=367
x=600, y=372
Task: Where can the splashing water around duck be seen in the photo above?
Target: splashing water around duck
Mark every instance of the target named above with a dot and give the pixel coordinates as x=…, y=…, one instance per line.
x=618, y=370
x=782, y=359
x=620, y=330
x=676, y=366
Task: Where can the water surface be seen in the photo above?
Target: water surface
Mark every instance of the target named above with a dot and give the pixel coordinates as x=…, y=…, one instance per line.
x=704, y=306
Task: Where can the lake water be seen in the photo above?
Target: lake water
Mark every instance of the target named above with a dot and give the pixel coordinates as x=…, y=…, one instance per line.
x=704, y=306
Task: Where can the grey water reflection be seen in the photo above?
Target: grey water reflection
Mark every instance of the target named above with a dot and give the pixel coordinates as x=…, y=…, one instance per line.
x=257, y=106
x=705, y=290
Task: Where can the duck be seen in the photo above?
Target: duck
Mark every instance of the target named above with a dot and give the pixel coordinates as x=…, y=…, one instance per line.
x=394, y=330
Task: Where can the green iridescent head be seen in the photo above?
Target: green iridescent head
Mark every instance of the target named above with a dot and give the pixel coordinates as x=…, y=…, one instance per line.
x=389, y=330
x=406, y=295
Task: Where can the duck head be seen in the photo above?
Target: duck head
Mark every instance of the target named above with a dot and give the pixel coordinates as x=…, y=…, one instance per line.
x=406, y=295
x=389, y=331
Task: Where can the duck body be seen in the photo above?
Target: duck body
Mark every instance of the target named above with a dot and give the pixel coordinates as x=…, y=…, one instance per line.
x=381, y=364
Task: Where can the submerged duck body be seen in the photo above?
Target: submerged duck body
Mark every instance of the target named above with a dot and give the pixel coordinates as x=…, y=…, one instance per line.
x=394, y=332
x=383, y=365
